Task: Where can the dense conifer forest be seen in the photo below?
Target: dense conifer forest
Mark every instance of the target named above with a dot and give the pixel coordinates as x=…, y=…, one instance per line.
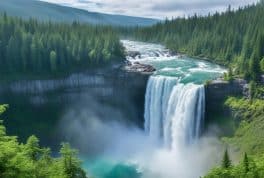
x=234, y=38
x=33, y=47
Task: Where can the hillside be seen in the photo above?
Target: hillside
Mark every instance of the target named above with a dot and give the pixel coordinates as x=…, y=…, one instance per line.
x=47, y=11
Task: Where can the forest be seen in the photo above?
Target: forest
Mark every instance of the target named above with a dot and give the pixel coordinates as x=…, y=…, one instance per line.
x=18, y=160
x=46, y=48
x=234, y=38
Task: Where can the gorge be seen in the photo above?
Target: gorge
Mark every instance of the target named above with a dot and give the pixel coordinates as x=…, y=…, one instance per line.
x=120, y=119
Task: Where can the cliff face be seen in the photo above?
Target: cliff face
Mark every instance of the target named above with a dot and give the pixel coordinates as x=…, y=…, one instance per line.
x=217, y=92
x=37, y=106
x=120, y=89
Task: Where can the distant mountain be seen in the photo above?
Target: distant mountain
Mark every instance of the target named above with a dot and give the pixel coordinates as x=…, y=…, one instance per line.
x=47, y=11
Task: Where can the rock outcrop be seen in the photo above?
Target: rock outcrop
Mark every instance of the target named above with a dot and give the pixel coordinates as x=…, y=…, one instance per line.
x=140, y=68
x=217, y=91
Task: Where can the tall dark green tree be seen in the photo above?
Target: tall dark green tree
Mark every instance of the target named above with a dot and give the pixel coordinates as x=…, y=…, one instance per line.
x=254, y=68
x=71, y=164
x=246, y=163
x=226, y=162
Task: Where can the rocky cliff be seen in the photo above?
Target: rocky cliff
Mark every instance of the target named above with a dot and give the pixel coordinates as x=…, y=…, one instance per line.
x=37, y=106
x=216, y=92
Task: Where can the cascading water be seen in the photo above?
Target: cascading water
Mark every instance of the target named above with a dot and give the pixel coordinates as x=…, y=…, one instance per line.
x=174, y=112
x=175, y=95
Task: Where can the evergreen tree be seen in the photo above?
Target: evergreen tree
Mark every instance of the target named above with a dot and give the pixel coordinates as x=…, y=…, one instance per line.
x=53, y=61
x=246, y=163
x=262, y=65
x=226, y=162
x=254, y=68
x=32, y=148
x=71, y=165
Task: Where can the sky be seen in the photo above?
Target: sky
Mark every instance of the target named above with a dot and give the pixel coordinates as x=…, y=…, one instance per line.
x=154, y=8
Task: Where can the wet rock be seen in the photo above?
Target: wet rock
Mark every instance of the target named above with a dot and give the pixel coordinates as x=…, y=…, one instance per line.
x=133, y=54
x=173, y=53
x=141, y=68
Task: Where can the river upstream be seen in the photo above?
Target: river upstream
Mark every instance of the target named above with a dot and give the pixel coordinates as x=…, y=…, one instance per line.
x=89, y=111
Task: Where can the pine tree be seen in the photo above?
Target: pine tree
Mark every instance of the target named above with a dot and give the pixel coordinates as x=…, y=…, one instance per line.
x=246, y=163
x=262, y=64
x=70, y=163
x=226, y=162
x=254, y=68
x=32, y=147
x=53, y=61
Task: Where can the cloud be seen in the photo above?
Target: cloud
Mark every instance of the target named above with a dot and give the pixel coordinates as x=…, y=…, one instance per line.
x=154, y=8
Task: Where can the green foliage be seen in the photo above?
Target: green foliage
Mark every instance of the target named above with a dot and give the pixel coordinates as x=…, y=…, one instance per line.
x=208, y=82
x=34, y=47
x=254, y=67
x=247, y=168
x=226, y=162
x=249, y=116
x=246, y=163
x=3, y=108
x=29, y=160
x=53, y=61
x=262, y=64
x=70, y=163
x=229, y=76
x=245, y=109
x=232, y=37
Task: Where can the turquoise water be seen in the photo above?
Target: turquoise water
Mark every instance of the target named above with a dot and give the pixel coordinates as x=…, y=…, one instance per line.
x=103, y=168
x=186, y=69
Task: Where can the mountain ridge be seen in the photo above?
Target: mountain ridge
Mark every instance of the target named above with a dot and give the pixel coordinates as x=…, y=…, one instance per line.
x=53, y=12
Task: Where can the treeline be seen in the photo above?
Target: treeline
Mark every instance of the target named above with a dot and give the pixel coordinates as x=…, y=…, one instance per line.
x=29, y=160
x=232, y=38
x=29, y=46
x=248, y=168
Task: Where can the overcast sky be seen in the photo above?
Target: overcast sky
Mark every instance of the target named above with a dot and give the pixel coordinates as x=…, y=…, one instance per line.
x=154, y=8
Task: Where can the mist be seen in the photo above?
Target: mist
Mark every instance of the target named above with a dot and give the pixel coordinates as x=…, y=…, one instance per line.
x=111, y=137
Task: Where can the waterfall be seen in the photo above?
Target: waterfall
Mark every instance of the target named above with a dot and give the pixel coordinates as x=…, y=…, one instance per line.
x=174, y=112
